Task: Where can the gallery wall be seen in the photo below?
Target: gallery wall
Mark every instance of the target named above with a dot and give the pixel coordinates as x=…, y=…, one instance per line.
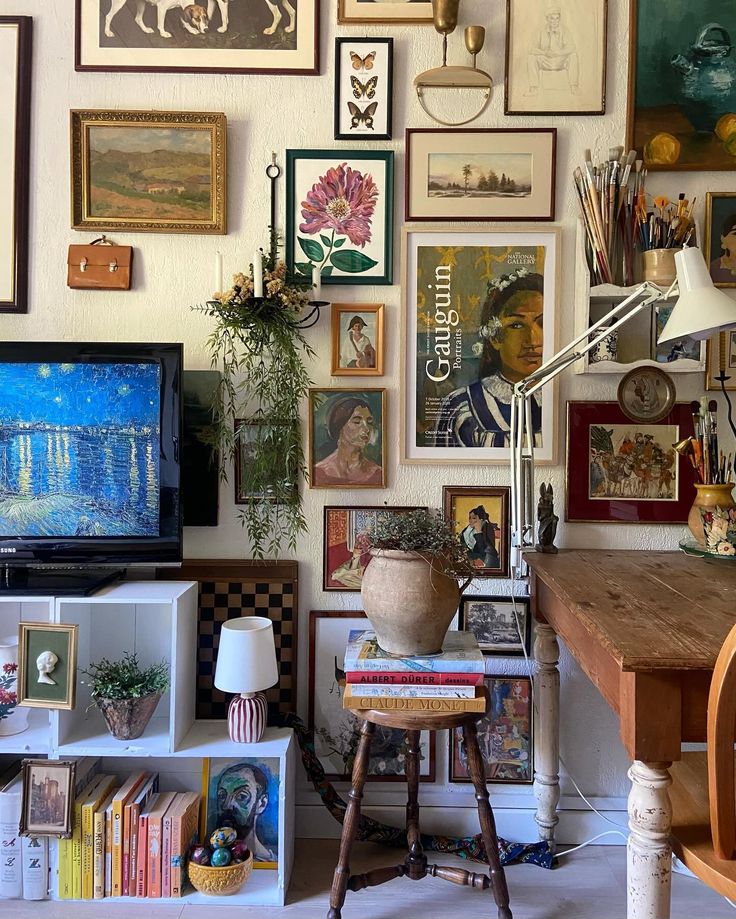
x=172, y=273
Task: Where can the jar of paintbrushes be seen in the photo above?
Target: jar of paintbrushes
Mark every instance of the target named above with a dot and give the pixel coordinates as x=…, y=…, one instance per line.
x=662, y=232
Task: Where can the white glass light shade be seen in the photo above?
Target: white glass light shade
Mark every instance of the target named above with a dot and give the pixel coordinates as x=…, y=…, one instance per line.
x=246, y=659
x=701, y=309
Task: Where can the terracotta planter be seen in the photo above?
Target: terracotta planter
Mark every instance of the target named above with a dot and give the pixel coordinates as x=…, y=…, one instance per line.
x=127, y=719
x=708, y=496
x=409, y=602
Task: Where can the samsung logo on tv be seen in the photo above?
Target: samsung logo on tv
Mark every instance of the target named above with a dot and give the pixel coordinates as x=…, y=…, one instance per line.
x=7, y=551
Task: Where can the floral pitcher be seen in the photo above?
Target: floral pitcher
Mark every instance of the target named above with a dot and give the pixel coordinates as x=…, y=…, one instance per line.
x=13, y=720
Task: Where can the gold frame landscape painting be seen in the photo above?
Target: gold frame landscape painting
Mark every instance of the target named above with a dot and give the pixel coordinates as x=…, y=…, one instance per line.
x=152, y=172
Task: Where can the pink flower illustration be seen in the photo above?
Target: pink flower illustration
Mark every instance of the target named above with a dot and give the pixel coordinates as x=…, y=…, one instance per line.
x=344, y=201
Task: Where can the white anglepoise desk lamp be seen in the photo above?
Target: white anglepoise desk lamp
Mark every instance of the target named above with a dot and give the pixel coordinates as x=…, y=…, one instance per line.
x=701, y=310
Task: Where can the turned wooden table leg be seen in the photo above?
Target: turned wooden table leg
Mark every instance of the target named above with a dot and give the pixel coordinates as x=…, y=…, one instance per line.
x=487, y=823
x=416, y=862
x=350, y=823
x=649, y=853
x=546, y=731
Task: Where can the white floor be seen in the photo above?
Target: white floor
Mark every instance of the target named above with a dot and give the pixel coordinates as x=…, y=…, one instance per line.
x=590, y=884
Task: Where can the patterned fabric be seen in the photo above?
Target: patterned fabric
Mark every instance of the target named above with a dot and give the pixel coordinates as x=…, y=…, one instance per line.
x=369, y=830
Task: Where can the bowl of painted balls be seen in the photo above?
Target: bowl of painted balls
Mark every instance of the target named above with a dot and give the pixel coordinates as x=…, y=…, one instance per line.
x=220, y=867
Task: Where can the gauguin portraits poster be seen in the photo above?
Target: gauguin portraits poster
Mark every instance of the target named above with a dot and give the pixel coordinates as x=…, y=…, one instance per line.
x=479, y=317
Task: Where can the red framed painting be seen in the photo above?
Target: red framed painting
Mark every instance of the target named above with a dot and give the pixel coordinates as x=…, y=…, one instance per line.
x=621, y=471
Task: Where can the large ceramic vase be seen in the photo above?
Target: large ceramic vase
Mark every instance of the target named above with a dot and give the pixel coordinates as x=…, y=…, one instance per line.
x=127, y=719
x=707, y=497
x=13, y=719
x=409, y=601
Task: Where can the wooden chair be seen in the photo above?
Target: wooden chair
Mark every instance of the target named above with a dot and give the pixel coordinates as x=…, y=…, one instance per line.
x=703, y=792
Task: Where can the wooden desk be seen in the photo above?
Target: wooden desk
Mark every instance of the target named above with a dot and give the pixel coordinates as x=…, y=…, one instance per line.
x=646, y=628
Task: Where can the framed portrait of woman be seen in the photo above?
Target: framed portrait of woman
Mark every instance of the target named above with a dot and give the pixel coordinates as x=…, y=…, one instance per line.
x=347, y=438
x=478, y=316
x=480, y=517
x=720, y=237
x=357, y=339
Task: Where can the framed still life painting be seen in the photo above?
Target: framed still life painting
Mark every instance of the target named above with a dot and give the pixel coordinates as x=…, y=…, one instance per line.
x=149, y=172
x=623, y=471
x=682, y=84
x=336, y=729
x=357, y=339
x=480, y=517
x=478, y=315
x=501, y=626
x=339, y=215
x=364, y=73
x=219, y=36
x=406, y=11
x=347, y=438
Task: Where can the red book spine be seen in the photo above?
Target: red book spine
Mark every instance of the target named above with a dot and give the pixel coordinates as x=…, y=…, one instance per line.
x=411, y=678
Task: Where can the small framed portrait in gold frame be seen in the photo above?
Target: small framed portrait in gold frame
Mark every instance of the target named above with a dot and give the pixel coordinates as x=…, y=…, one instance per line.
x=357, y=339
x=47, y=665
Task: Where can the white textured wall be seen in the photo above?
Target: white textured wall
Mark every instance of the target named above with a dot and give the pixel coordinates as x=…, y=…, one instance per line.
x=268, y=113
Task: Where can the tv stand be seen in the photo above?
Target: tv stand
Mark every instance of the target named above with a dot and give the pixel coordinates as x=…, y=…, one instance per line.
x=56, y=582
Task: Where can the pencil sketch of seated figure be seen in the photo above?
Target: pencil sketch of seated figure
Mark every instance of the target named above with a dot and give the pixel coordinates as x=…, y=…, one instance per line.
x=553, y=51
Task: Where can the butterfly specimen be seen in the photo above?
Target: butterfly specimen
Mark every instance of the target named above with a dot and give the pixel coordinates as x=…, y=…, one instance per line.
x=367, y=89
x=362, y=63
x=365, y=117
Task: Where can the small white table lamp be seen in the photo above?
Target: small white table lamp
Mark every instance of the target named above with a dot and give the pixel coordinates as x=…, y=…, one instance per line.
x=246, y=664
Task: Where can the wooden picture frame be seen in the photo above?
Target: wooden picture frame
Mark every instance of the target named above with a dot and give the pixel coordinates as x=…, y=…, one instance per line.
x=100, y=187
x=284, y=44
x=47, y=799
x=364, y=77
x=59, y=689
x=505, y=734
x=336, y=728
x=480, y=174
x=492, y=620
x=16, y=48
x=331, y=411
x=351, y=12
x=357, y=247
x=570, y=80
x=357, y=353
x=611, y=464
x=241, y=463
x=724, y=219
x=452, y=358
x=721, y=358
x=488, y=546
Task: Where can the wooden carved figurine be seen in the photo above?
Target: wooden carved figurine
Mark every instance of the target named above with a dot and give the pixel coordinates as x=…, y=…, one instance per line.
x=547, y=521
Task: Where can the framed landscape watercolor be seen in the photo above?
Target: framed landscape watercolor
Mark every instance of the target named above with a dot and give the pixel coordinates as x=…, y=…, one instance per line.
x=480, y=516
x=480, y=174
x=682, y=84
x=364, y=73
x=721, y=358
x=384, y=11
x=505, y=735
x=219, y=36
x=357, y=339
x=339, y=215
x=478, y=315
x=347, y=438
x=624, y=471
x=149, y=172
x=15, y=139
x=336, y=729
x=555, y=57
x=720, y=237
x=497, y=628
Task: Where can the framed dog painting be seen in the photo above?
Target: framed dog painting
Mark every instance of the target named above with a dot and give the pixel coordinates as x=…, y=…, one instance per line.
x=364, y=88
x=198, y=36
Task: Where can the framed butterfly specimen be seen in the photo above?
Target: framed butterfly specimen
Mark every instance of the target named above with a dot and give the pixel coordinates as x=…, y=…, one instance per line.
x=364, y=70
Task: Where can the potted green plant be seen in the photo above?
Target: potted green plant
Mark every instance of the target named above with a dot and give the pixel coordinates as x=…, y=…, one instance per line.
x=410, y=589
x=126, y=693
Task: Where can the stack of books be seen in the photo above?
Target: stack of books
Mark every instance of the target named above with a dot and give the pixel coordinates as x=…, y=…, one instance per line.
x=448, y=682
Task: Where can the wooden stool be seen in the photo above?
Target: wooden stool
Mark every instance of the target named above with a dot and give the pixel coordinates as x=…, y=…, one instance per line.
x=415, y=865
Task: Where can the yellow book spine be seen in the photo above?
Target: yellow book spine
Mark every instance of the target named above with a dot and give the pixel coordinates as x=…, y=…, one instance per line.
x=98, y=861
x=65, y=859
x=88, y=832
x=117, y=848
x=77, y=853
x=431, y=706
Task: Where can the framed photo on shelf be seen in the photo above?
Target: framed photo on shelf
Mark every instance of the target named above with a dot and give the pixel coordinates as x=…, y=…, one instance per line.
x=721, y=357
x=214, y=37
x=118, y=183
x=467, y=174
x=406, y=11
x=720, y=236
x=479, y=313
x=505, y=735
x=336, y=728
x=47, y=797
x=624, y=471
x=357, y=339
x=684, y=349
x=339, y=215
x=345, y=550
x=497, y=628
x=481, y=520
x=47, y=665
x=364, y=74
x=555, y=57
x=347, y=438
x=680, y=121
x=15, y=145
x=252, y=483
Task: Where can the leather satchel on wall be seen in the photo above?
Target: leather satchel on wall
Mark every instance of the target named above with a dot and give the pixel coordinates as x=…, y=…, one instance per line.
x=99, y=266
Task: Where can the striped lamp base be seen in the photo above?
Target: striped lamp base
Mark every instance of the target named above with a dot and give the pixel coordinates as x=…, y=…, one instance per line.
x=246, y=718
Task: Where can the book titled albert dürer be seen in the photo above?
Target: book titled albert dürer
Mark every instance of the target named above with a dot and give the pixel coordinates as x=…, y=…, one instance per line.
x=479, y=315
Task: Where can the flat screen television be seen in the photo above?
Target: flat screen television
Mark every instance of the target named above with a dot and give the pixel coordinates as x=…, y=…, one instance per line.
x=89, y=460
